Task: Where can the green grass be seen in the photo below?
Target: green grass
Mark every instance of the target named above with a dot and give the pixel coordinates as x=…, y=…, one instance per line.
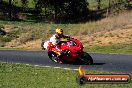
x=23, y=76
x=116, y=48
x=44, y=30
x=93, y=4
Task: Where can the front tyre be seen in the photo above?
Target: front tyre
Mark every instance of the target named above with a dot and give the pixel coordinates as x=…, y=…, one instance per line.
x=87, y=59
x=53, y=56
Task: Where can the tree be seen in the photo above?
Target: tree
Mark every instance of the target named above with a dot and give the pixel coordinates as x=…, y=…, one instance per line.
x=10, y=9
x=63, y=10
x=1, y=1
x=99, y=4
x=24, y=4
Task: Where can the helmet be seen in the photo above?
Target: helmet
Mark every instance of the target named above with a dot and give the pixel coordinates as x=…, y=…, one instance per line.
x=59, y=31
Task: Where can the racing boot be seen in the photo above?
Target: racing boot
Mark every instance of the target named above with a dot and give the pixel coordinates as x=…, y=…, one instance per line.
x=59, y=53
x=59, y=61
x=59, y=57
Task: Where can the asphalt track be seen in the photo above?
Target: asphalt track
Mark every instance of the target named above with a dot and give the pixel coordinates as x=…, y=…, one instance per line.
x=108, y=62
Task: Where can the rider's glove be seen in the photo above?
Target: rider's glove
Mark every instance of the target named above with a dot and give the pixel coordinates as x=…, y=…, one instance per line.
x=68, y=38
x=43, y=48
x=62, y=52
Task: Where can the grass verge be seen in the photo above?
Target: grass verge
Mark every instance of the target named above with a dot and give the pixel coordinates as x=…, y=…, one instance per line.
x=23, y=76
x=114, y=48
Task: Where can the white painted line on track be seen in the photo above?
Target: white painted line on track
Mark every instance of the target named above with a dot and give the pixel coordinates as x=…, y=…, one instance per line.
x=56, y=67
x=44, y=66
x=47, y=66
x=26, y=64
x=67, y=68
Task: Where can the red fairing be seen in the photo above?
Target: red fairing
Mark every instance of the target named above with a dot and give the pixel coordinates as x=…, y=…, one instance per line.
x=74, y=47
x=50, y=46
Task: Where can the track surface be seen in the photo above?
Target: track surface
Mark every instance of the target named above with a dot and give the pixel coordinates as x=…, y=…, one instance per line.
x=109, y=62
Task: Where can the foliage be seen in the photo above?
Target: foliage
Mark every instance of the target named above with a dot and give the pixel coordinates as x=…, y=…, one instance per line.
x=13, y=34
x=9, y=36
x=60, y=11
x=2, y=32
x=24, y=4
x=63, y=9
x=5, y=38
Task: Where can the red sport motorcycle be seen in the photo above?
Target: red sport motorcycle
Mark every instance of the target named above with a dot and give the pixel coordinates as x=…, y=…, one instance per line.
x=72, y=52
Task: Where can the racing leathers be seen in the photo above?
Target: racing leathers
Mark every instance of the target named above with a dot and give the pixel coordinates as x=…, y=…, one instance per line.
x=55, y=39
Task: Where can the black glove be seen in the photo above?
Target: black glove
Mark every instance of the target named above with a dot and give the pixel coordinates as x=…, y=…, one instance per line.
x=43, y=48
x=66, y=52
x=68, y=38
x=62, y=52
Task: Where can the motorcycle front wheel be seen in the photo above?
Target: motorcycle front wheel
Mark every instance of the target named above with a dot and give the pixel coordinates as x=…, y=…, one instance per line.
x=53, y=56
x=86, y=59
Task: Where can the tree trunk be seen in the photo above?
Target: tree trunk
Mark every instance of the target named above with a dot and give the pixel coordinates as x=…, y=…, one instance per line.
x=1, y=1
x=99, y=5
x=55, y=14
x=108, y=9
x=10, y=9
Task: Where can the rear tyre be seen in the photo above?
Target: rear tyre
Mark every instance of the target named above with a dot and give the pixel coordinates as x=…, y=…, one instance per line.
x=87, y=59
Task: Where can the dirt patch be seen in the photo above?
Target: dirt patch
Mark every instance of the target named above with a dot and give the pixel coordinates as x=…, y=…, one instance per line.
x=104, y=38
x=7, y=28
x=35, y=44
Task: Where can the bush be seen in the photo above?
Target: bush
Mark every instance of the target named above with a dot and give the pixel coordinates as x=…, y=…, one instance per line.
x=5, y=38
x=1, y=26
x=13, y=34
x=2, y=43
x=2, y=32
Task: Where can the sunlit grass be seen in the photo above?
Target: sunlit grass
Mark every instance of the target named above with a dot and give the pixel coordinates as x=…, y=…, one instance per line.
x=23, y=76
x=113, y=48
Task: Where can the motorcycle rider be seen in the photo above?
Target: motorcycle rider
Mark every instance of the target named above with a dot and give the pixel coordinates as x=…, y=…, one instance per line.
x=46, y=45
x=55, y=39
